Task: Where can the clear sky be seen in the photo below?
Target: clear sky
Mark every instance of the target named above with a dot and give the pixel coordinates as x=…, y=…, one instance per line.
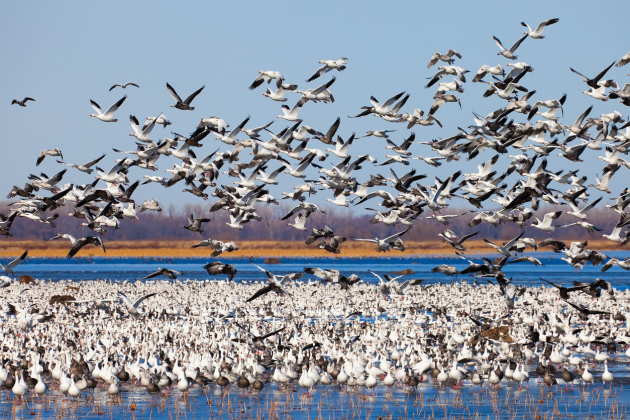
x=65, y=53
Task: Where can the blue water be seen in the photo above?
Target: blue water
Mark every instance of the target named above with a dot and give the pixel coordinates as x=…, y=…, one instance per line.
x=554, y=269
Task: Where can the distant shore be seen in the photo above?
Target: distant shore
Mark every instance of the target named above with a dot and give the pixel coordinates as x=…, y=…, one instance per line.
x=256, y=249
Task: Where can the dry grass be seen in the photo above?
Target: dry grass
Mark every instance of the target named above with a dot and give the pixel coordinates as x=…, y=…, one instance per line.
x=182, y=249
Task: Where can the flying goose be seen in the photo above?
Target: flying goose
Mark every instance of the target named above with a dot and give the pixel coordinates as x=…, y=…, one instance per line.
x=77, y=244
x=382, y=245
x=167, y=272
x=123, y=85
x=265, y=76
x=12, y=264
x=276, y=283
x=109, y=115
x=86, y=167
x=50, y=152
x=290, y=114
x=22, y=102
x=546, y=225
x=319, y=94
x=183, y=105
x=595, y=82
x=537, y=34
x=505, y=249
x=194, y=224
x=447, y=58
x=132, y=307
x=509, y=54
x=329, y=65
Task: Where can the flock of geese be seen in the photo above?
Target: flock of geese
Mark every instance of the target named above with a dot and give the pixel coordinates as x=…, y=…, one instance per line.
x=160, y=334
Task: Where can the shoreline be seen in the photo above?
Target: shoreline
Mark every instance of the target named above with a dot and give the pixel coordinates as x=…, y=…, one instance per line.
x=257, y=249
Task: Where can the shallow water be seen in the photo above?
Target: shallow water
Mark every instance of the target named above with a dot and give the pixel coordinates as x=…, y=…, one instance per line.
x=554, y=269
x=334, y=402
x=425, y=402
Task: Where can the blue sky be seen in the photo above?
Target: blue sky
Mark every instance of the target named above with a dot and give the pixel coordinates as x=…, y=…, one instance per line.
x=65, y=53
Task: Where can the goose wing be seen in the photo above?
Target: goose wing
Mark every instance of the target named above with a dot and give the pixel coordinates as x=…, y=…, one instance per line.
x=142, y=299
x=173, y=93
x=193, y=95
x=115, y=107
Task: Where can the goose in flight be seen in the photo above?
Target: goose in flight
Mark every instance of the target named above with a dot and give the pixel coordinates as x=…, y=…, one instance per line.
x=537, y=34
x=300, y=221
x=123, y=85
x=329, y=65
x=265, y=76
x=86, y=167
x=217, y=267
x=183, y=105
x=278, y=95
x=152, y=205
x=291, y=114
x=142, y=134
x=11, y=265
x=256, y=341
x=456, y=243
x=132, y=307
x=581, y=213
x=509, y=54
x=167, y=272
x=77, y=244
x=595, y=82
x=6, y=222
x=546, y=225
x=625, y=264
x=109, y=115
x=22, y=102
x=505, y=249
x=382, y=245
x=447, y=58
x=624, y=60
x=319, y=94
x=219, y=247
x=276, y=283
x=50, y=152
x=485, y=69
x=588, y=226
x=194, y=224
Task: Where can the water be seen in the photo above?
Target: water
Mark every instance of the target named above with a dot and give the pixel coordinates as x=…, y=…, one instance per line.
x=427, y=401
x=334, y=402
x=135, y=268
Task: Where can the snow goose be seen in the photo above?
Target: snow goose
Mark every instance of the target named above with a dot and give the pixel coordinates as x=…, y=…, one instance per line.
x=253, y=132
x=509, y=54
x=230, y=138
x=132, y=307
x=546, y=225
x=183, y=105
x=80, y=243
x=485, y=69
x=22, y=102
x=278, y=95
x=265, y=76
x=291, y=114
x=581, y=213
x=505, y=249
x=329, y=65
x=602, y=184
x=50, y=152
x=319, y=94
x=86, y=167
x=109, y=115
x=12, y=264
x=444, y=70
x=304, y=164
x=599, y=93
x=382, y=245
x=142, y=134
x=537, y=34
x=123, y=85
x=300, y=220
x=447, y=58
